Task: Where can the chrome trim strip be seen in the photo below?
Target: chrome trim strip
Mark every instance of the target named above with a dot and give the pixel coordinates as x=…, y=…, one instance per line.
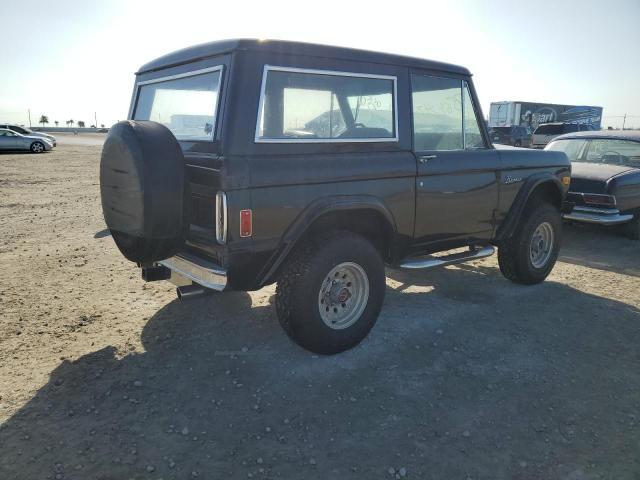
x=599, y=219
x=464, y=133
x=600, y=216
x=433, y=262
x=221, y=212
x=200, y=271
x=268, y=68
x=182, y=75
x=601, y=211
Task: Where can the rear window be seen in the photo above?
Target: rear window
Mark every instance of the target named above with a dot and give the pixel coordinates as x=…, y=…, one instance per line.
x=18, y=129
x=299, y=105
x=573, y=148
x=505, y=130
x=186, y=104
x=549, y=129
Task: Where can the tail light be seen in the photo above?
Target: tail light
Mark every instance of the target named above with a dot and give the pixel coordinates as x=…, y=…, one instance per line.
x=246, y=223
x=221, y=218
x=599, y=200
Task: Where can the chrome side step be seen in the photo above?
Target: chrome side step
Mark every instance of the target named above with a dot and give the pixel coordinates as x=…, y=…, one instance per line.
x=434, y=262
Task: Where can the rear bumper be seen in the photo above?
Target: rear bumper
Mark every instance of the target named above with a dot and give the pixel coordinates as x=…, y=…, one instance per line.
x=200, y=271
x=601, y=216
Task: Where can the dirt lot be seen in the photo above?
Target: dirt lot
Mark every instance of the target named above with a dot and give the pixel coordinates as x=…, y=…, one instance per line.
x=465, y=375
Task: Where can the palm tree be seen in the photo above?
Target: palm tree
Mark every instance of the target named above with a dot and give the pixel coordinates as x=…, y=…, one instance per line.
x=102, y=125
x=70, y=123
x=56, y=122
x=80, y=123
x=44, y=120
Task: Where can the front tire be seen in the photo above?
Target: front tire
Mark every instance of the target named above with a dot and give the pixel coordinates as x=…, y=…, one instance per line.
x=531, y=253
x=37, y=147
x=330, y=292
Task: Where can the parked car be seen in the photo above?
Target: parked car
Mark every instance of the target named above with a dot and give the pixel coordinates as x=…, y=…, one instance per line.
x=516, y=135
x=548, y=131
x=235, y=178
x=605, y=180
x=28, y=132
x=10, y=140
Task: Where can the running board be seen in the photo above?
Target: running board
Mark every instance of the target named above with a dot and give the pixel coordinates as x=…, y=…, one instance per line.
x=434, y=262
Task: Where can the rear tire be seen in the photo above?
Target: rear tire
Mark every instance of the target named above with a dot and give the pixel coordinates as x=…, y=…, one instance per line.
x=330, y=292
x=531, y=253
x=632, y=229
x=37, y=147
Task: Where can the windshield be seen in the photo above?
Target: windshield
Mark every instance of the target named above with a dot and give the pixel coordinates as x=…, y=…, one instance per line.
x=601, y=150
x=549, y=129
x=616, y=152
x=186, y=106
x=572, y=148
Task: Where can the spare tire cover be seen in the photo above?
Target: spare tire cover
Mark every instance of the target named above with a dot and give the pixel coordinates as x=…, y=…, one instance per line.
x=142, y=189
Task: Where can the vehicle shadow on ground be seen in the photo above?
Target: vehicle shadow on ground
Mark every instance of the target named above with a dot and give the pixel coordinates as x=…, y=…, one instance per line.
x=465, y=374
x=602, y=248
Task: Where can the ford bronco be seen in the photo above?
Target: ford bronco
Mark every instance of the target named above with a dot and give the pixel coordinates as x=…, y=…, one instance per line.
x=247, y=162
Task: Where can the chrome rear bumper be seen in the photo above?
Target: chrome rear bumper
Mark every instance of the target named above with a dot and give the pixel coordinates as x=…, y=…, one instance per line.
x=198, y=270
x=601, y=216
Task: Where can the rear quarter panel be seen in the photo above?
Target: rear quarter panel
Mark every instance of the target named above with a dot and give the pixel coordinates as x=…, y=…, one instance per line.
x=626, y=188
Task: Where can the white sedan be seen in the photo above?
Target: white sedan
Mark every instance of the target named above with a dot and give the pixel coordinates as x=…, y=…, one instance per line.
x=10, y=140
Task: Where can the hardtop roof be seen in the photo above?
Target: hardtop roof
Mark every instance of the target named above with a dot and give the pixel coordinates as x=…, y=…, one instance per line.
x=633, y=135
x=212, y=49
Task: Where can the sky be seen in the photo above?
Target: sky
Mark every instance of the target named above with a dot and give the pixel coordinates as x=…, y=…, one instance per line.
x=76, y=59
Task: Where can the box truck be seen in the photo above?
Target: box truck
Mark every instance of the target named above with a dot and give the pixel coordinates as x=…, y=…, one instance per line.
x=531, y=114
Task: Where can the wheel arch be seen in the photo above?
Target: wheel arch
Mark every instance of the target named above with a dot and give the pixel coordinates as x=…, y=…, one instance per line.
x=544, y=185
x=362, y=214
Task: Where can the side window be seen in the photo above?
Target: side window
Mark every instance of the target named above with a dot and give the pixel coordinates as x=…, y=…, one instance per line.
x=317, y=106
x=472, y=135
x=317, y=114
x=437, y=113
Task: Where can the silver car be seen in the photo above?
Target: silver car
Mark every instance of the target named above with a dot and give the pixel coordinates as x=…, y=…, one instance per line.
x=27, y=131
x=10, y=140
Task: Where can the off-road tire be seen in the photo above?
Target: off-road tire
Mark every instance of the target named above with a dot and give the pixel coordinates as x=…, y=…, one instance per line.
x=301, y=280
x=514, y=253
x=632, y=229
x=37, y=147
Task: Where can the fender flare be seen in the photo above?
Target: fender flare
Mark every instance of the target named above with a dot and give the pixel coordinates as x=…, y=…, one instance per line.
x=508, y=227
x=309, y=215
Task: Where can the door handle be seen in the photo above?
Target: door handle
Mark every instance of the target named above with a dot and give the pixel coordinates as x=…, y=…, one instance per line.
x=426, y=158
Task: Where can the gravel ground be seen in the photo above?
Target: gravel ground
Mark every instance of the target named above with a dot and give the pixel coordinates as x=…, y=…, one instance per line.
x=465, y=376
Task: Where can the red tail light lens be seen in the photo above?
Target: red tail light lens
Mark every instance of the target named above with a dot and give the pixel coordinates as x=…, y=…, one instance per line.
x=246, y=223
x=600, y=200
